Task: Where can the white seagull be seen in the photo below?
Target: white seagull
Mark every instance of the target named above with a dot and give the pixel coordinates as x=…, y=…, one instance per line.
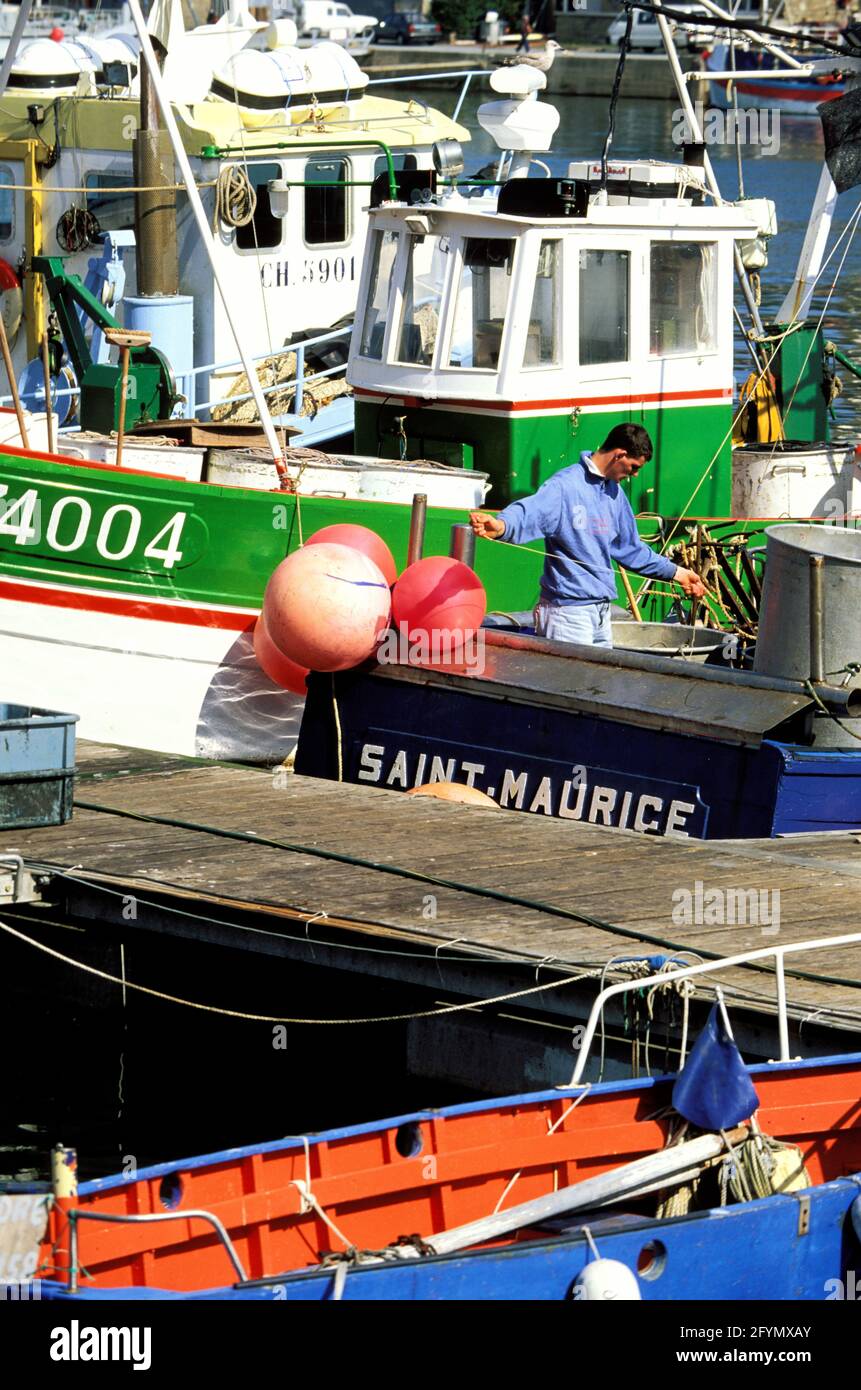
x=542, y=59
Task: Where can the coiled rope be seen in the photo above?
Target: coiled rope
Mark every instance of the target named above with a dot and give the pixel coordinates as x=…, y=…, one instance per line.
x=235, y=198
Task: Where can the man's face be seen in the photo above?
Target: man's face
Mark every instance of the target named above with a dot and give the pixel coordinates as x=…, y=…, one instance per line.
x=623, y=465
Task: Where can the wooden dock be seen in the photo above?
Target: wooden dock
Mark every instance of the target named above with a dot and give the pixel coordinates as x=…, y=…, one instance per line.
x=488, y=901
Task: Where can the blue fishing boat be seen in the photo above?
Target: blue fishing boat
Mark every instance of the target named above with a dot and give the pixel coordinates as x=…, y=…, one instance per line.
x=593, y=1190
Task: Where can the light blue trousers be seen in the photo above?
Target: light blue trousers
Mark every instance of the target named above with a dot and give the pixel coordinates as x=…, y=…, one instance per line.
x=586, y=623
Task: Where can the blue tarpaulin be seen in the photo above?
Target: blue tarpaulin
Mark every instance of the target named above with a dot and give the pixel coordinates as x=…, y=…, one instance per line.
x=714, y=1090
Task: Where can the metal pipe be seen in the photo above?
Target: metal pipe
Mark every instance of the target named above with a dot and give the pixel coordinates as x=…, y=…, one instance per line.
x=816, y=619
x=463, y=544
x=843, y=700
x=418, y=517
x=782, y=1017
x=124, y=394
x=119, y=1218
x=46, y=374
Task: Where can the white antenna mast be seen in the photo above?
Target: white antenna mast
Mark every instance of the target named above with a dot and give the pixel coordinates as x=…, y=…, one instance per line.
x=194, y=199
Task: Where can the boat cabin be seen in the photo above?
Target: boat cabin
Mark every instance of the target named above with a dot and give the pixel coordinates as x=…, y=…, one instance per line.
x=548, y=317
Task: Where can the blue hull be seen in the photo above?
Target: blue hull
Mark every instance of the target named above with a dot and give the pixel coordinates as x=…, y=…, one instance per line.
x=540, y=757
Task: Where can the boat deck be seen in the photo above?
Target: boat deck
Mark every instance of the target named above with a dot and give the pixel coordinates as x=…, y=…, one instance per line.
x=584, y=894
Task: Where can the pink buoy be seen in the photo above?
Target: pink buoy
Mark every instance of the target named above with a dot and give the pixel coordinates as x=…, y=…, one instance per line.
x=360, y=538
x=325, y=607
x=278, y=667
x=438, y=595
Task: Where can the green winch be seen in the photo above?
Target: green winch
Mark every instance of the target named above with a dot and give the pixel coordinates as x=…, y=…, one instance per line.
x=151, y=391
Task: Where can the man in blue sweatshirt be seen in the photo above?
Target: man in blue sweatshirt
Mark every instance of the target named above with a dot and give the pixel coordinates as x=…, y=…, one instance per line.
x=586, y=523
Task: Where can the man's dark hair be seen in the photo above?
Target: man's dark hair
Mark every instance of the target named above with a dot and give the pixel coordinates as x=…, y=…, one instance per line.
x=632, y=438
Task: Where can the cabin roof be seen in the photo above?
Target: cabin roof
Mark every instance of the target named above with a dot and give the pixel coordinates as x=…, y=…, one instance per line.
x=94, y=123
x=726, y=218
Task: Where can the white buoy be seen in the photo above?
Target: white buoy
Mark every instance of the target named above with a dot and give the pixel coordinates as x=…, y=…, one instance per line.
x=607, y=1281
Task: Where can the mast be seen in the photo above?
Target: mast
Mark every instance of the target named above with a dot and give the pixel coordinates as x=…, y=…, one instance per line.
x=696, y=131
x=196, y=204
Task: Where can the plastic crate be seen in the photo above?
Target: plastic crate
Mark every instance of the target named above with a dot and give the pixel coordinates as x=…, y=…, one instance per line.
x=37, y=766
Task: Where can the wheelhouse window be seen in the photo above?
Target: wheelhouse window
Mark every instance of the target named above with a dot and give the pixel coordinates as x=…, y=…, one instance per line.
x=479, y=318
x=109, y=201
x=7, y=204
x=265, y=230
x=427, y=261
x=682, y=294
x=542, y=335
x=604, y=311
x=326, y=209
x=384, y=250
x=399, y=161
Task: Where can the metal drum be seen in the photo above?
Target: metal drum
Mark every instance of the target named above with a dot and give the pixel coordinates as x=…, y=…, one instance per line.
x=783, y=647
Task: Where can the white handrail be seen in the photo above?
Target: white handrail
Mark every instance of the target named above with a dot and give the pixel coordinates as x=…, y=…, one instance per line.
x=709, y=967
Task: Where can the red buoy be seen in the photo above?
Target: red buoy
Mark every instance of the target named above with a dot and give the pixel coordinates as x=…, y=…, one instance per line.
x=438, y=595
x=360, y=538
x=326, y=606
x=278, y=667
x=57, y=34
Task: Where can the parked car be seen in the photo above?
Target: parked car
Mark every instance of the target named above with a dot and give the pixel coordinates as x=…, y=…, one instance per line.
x=325, y=19
x=407, y=28
x=645, y=33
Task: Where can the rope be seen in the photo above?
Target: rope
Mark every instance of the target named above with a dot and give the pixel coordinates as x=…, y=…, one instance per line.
x=235, y=198
x=268, y=1018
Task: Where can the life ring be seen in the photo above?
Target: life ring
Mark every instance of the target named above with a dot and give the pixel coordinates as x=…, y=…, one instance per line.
x=11, y=301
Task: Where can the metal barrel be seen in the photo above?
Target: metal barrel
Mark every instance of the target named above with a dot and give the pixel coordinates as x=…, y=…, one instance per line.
x=809, y=625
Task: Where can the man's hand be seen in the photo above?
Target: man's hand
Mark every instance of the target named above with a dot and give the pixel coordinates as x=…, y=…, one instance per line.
x=483, y=524
x=690, y=582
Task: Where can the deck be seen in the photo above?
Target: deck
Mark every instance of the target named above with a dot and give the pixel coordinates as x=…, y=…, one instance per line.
x=474, y=904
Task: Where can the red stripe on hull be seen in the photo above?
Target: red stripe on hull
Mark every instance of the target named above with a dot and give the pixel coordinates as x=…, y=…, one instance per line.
x=722, y=394
x=146, y=609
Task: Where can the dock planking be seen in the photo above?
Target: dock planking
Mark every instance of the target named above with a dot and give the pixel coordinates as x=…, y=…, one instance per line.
x=624, y=880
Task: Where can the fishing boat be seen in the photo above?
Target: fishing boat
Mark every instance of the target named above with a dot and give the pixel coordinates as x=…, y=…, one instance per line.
x=285, y=145
x=762, y=80
x=594, y=1190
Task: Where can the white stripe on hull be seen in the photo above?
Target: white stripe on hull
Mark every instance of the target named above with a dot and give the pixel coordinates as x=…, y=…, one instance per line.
x=169, y=687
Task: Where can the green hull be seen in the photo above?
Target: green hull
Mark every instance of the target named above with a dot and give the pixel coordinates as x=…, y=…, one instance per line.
x=163, y=538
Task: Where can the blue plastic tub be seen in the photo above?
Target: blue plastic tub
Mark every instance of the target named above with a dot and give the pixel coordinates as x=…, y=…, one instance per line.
x=37, y=766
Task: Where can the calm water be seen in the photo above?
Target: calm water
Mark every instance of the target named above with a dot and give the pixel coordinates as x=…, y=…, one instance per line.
x=644, y=130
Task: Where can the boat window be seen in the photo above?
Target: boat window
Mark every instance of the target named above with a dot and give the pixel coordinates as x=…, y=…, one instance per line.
x=384, y=249
x=400, y=161
x=427, y=262
x=542, y=335
x=479, y=316
x=7, y=204
x=325, y=203
x=265, y=230
x=108, y=200
x=604, y=280
x=682, y=298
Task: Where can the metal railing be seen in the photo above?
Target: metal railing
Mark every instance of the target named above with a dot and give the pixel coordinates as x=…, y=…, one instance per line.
x=76, y=1214
x=669, y=977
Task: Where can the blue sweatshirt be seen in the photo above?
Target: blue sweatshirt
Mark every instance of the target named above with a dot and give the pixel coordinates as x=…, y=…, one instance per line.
x=586, y=523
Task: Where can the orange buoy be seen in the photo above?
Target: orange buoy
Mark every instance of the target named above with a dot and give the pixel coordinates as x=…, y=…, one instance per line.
x=456, y=791
x=437, y=595
x=326, y=606
x=360, y=538
x=272, y=661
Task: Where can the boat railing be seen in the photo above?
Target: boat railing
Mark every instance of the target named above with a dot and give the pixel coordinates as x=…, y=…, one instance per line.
x=296, y=385
x=711, y=967
x=76, y=1214
x=435, y=77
